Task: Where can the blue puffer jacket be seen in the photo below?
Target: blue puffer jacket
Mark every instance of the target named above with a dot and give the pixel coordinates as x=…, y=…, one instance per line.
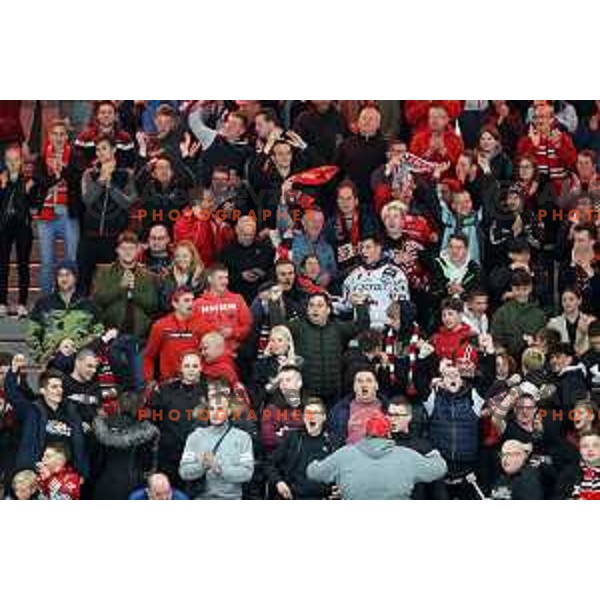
x=454, y=423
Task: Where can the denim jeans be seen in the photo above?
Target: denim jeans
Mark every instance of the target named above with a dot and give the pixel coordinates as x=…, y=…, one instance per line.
x=64, y=227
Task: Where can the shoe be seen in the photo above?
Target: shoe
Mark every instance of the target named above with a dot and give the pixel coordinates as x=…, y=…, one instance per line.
x=22, y=312
x=3, y=311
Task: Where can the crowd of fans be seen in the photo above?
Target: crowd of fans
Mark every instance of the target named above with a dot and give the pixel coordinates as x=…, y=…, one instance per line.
x=303, y=300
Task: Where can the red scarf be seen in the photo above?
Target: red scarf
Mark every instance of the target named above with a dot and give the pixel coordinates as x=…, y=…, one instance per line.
x=57, y=194
x=342, y=228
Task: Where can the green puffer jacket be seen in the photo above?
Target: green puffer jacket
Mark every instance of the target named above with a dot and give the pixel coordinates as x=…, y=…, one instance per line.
x=322, y=349
x=512, y=320
x=52, y=320
x=111, y=298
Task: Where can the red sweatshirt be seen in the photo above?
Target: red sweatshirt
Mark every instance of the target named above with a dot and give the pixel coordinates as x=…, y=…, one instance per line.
x=553, y=161
x=417, y=111
x=229, y=310
x=452, y=343
x=208, y=235
x=454, y=146
x=169, y=338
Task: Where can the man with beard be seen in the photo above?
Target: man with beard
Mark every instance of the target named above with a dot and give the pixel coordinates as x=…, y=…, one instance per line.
x=282, y=413
x=286, y=467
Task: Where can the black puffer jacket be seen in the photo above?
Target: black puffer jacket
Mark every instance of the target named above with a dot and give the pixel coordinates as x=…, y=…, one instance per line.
x=127, y=451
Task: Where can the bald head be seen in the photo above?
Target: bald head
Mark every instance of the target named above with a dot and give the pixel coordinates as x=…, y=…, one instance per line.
x=245, y=230
x=159, y=487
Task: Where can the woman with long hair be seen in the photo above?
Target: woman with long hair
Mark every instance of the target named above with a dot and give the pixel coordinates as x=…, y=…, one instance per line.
x=186, y=270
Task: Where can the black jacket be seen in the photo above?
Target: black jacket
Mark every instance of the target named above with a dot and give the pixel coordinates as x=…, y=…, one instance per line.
x=238, y=258
x=16, y=204
x=40, y=425
x=127, y=450
x=176, y=396
x=358, y=157
x=524, y=485
x=289, y=460
x=106, y=207
x=323, y=131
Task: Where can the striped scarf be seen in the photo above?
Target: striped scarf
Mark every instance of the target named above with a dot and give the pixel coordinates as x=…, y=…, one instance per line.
x=589, y=486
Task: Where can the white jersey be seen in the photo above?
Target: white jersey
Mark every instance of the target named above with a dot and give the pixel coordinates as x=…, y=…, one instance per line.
x=382, y=283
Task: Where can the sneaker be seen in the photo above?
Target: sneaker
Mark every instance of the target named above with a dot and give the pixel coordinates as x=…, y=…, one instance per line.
x=3, y=311
x=22, y=312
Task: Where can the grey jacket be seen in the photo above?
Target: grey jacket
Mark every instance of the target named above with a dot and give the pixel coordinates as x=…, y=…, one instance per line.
x=377, y=469
x=234, y=458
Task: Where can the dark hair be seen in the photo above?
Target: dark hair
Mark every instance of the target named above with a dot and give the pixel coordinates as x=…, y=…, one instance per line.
x=459, y=236
x=521, y=278
x=400, y=400
x=320, y=294
x=217, y=267
x=130, y=402
x=370, y=340
x=85, y=352
x=589, y=227
x=562, y=348
x=99, y=103
x=478, y=291
x=127, y=237
x=347, y=183
x=221, y=169
x=47, y=375
x=588, y=154
x=452, y=304
x=5, y=359
x=103, y=137
x=285, y=261
x=269, y=115
x=239, y=115
x=571, y=290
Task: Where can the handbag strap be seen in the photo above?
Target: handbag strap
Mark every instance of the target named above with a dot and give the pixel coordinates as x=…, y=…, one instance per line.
x=216, y=446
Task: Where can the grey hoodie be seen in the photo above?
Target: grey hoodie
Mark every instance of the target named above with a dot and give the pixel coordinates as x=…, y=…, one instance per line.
x=377, y=469
x=234, y=457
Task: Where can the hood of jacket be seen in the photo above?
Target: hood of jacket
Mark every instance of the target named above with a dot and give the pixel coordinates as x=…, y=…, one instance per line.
x=375, y=448
x=122, y=432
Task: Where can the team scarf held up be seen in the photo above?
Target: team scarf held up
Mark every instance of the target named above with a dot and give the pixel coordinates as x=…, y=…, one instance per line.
x=58, y=193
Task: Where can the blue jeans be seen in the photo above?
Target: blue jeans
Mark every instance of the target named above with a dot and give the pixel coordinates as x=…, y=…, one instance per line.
x=64, y=227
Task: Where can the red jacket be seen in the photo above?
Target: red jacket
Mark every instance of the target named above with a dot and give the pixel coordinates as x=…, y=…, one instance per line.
x=452, y=141
x=208, y=235
x=417, y=111
x=229, y=310
x=169, y=338
x=551, y=161
x=453, y=344
x=64, y=485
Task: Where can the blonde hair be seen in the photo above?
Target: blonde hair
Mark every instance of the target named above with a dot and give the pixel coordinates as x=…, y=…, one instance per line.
x=532, y=359
x=395, y=206
x=27, y=477
x=518, y=446
x=196, y=260
x=283, y=331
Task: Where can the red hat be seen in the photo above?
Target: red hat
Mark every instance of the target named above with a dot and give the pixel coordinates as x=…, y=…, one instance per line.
x=378, y=426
